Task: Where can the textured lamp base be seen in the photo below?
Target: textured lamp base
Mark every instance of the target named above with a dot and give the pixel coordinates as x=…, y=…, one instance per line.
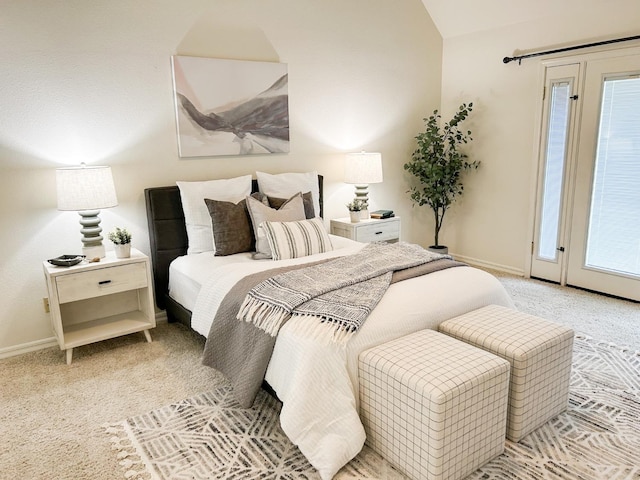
x=362, y=193
x=96, y=251
x=91, y=231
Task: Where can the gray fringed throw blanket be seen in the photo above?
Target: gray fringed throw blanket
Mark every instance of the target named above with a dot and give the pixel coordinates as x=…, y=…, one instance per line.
x=337, y=296
x=241, y=351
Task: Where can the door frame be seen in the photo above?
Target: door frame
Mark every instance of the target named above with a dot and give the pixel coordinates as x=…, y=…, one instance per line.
x=605, y=52
x=622, y=284
x=572, y=72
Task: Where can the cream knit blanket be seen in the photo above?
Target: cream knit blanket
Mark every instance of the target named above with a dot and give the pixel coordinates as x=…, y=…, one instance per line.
x=336, y=296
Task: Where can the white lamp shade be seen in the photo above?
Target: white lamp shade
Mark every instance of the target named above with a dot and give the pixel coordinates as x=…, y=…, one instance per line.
x=363, y=168
x=85, y=188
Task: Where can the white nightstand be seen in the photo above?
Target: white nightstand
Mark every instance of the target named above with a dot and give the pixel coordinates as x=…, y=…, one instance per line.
x=369, y=230
x=90, y=302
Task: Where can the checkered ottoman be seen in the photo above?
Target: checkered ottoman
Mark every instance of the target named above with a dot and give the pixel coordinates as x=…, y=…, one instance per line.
x=434, y=407
x=540, y=355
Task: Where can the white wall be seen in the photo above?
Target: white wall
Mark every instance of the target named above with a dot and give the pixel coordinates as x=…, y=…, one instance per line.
x=492, y=221
x=91, y=81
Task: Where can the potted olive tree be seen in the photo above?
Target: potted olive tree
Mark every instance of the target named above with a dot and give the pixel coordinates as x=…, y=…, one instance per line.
x=437, y=164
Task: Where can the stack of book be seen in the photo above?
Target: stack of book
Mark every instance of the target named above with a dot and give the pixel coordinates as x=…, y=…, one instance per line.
x=382, y=214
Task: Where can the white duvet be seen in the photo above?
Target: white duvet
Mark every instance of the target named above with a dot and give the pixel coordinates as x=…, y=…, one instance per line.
x=318, y=384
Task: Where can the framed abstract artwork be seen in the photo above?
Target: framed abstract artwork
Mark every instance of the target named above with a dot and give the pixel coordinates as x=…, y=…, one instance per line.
x=230, y=107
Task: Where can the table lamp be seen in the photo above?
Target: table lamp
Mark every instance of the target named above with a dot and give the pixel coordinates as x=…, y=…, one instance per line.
x=87, y=190
x=362, y=169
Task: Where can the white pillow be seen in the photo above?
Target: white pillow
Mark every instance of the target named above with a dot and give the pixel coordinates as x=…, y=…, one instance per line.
x=297, y=239
x=196, y=214
x=285, y=185
x=292, y=209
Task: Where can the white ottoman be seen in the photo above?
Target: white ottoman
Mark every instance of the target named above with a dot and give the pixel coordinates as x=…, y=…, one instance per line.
x=540, y=354
x=434, y=407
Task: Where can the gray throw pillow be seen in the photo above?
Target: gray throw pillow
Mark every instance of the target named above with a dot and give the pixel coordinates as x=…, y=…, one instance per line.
x=307, y=200
x=232, y=232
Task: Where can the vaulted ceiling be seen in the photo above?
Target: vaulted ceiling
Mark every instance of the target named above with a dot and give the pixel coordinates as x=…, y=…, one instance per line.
x=461, y=17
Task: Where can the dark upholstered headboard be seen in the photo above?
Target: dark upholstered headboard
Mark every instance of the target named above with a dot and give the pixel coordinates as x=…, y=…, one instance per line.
x=168, y=233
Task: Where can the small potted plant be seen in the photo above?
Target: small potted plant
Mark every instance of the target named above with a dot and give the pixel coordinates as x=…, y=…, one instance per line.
x=121, y=239
x=355, y=207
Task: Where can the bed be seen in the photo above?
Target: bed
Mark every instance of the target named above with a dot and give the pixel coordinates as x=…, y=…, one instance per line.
x=316, y=382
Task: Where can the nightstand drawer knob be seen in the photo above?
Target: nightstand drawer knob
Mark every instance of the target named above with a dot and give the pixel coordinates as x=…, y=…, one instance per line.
x=104, y=282
x=378, y=233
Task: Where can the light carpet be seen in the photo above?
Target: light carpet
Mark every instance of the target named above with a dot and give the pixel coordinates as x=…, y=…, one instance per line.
x=208, y=436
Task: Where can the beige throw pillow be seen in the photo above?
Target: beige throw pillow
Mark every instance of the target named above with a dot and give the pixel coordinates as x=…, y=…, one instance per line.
x=291, y=210
x=307, y=199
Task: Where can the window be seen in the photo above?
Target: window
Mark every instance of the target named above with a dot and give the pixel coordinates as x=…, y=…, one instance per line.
x=614, y=222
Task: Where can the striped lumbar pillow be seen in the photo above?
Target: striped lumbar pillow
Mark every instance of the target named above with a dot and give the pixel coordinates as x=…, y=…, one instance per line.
x=297, y=239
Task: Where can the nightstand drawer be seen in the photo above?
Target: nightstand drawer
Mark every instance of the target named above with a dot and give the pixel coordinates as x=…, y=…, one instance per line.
x=103, y=281
x=374, y=232
x=368, y=230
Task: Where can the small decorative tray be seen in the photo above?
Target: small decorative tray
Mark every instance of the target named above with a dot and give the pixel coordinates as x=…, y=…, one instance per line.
x=66, y=260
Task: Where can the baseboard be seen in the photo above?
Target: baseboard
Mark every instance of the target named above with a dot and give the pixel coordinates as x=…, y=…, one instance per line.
x=28, y=347
x=15, y=350
x=474, y=262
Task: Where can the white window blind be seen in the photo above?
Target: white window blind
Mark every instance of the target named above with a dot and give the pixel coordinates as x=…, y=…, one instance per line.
x=614, y=221
x=554, y=170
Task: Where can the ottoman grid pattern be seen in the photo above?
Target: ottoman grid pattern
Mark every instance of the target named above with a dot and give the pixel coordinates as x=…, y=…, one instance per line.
x=432, y=406
x=540, y=354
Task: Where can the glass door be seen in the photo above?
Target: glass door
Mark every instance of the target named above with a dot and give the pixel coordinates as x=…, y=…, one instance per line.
x=556, y=153
x=604, y=248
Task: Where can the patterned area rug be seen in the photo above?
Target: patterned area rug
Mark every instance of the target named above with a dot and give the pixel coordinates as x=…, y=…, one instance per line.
x=210, y=437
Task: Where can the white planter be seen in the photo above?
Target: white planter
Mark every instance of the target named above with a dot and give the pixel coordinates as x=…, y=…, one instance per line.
x=123, y=251
x=355, y=217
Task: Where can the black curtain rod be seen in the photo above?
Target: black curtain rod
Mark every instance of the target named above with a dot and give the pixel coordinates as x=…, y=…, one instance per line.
x=577, y=47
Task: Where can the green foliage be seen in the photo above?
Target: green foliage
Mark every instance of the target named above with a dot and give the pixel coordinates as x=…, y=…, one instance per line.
x=356, y=205
x=120, y=236
x=437, y=163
